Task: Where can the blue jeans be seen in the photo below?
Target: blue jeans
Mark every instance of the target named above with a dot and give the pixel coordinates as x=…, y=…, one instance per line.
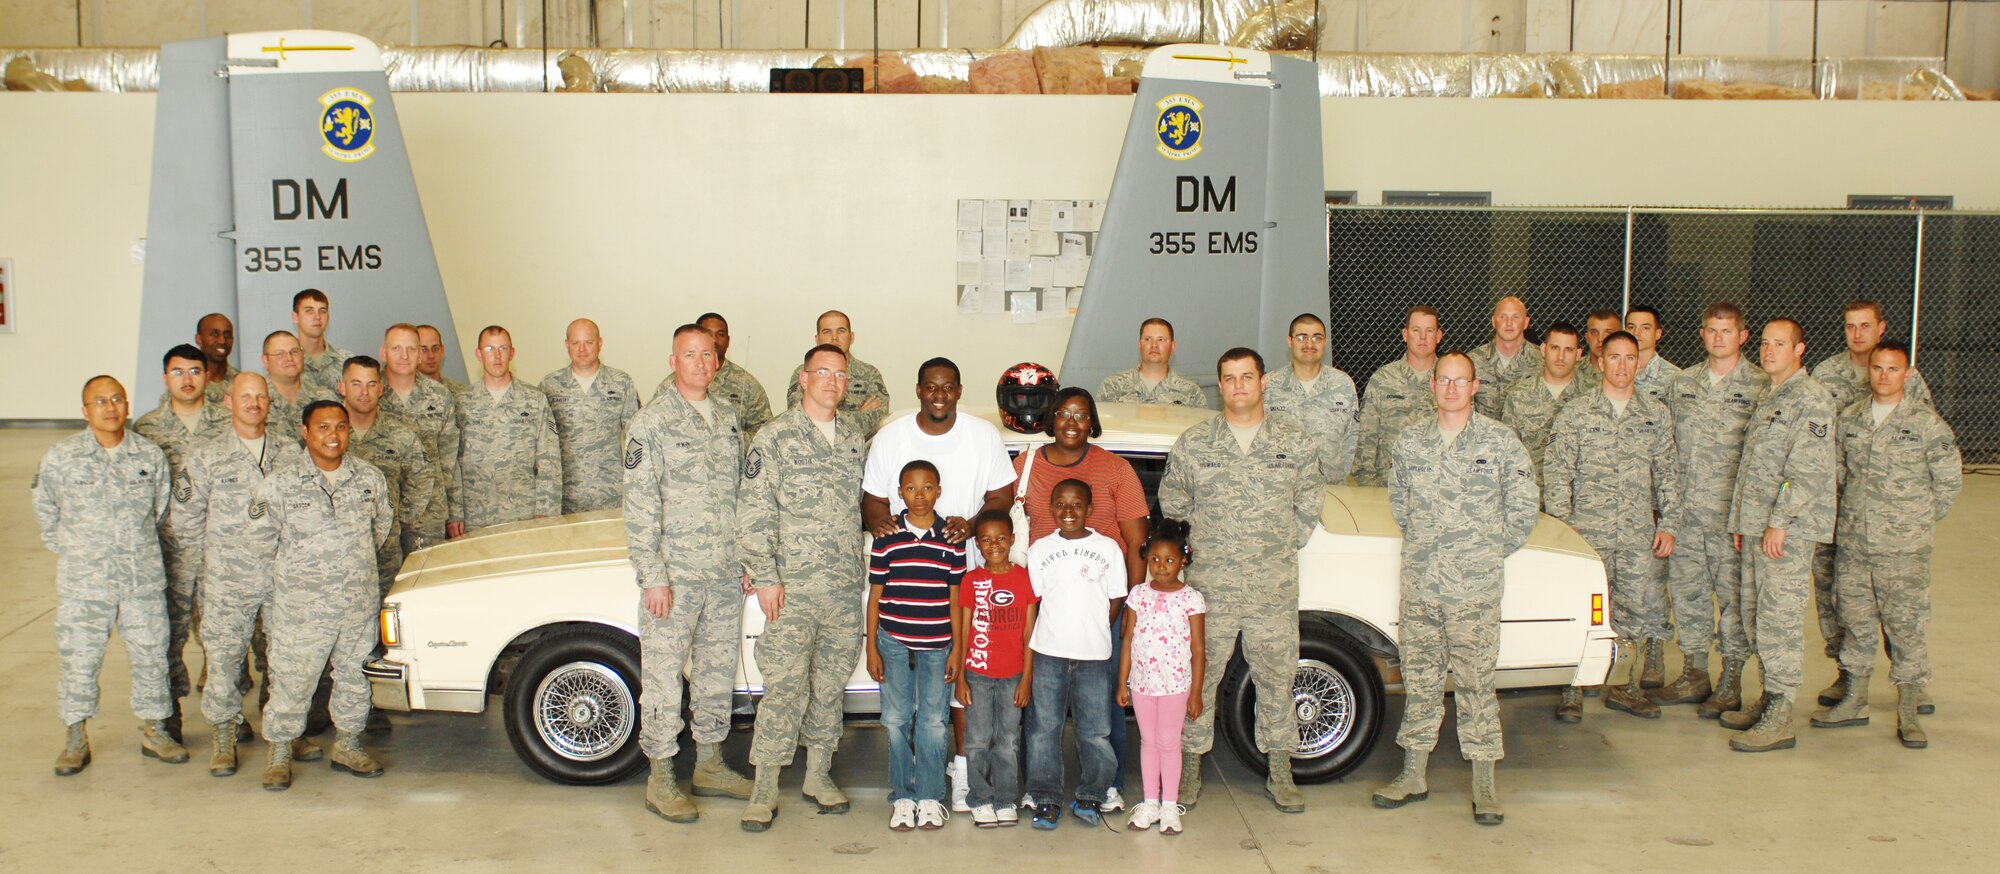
x=1117, y=713
x=1079, y=687
x=915, y=701
x=992, y=741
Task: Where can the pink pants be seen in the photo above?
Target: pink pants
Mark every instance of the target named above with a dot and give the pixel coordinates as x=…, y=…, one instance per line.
x=1160, y=718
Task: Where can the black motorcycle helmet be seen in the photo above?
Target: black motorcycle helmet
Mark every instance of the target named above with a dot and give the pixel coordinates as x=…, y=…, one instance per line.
x=1027, y=394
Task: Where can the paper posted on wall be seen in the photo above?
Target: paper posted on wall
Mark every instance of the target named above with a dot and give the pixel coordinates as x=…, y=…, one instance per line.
x=1023, y=256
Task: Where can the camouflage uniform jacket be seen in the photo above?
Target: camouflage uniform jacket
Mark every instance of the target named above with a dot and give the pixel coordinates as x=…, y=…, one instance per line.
x=399, y=454
x=285, y=420
x=323, y=370
x=1251, y=513
x=1847, y=383
x=1329, y=410
x=1529, y=407
x=682, y=478
x=1496, y=377
x=1607, y=475
x=1709, y=423
x=1397, y=396
x=863, y=382
x=800, y=519
x=1787, y=478
x=1127, y=387
x=591, y=424
x=100, y=514
x=1897, y=480
x=1656, y=378
x=324, y=531
x=431, y=410
x=735, y=385
x=211, y=516
x=166, y=431
x=1463, y=508
x=509, y=463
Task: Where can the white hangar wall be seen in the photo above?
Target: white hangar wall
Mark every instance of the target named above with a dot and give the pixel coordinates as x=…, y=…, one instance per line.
x=642, y=211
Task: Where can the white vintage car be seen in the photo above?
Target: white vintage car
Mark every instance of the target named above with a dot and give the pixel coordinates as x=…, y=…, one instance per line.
x=544, y=615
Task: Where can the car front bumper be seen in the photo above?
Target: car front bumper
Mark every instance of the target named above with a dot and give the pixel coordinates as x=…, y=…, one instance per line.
x=1600, y=650
x=388, y=684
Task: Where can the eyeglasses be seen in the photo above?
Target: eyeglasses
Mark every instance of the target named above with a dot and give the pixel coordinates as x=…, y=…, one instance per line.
x=188, y=371
x=495, y=350
x=1073, y=417
x=1452, y=381
x=1310, y=338
x=828, y=372
x=112, y=401
x=287, y=353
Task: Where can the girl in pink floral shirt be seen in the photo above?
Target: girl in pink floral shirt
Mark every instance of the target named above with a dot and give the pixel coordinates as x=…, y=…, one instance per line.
x=1159, y=664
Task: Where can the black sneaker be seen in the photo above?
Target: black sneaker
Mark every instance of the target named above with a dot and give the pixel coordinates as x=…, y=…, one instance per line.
x=1088, y=811
x=1046, y=816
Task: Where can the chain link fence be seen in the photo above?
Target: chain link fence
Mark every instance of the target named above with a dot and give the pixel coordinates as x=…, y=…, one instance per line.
x=1804, y=264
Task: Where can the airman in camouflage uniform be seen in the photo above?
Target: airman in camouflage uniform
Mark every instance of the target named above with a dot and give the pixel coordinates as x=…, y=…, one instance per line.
x=212, y=518
x=1398, y=396
x=215, y=335
x=1705, y=573
x=430, y=358
x=1611, y=473
x=311, y=313
x=1465, y=502
x=1153, y=381
x=396, y=451
x=867, y=399
x=683, y=459
x=590, y=419
x=1529, y=406
x=1845, y=375
x=732, y=383
x=1900, y=475
x=1599, y=324
x=165, y=426
x=429, y=409
x=1784, y=503
x=1498, y=372
x=509, y=457
x=324, y=522
x=100, y=497
x=1250, y=510
x=799, y=533
x=1655, y=372
x=1324, y=402
x=284, y=366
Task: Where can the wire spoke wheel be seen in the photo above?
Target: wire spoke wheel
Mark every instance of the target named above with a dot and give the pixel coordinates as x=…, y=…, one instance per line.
x=1324, y=703
x=584, y=711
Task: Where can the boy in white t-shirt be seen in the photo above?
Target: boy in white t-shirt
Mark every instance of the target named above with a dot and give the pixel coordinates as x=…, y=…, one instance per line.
x=1079, y=575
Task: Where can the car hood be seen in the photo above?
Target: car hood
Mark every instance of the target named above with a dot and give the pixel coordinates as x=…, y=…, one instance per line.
x=519, y=547
x=1364, y=510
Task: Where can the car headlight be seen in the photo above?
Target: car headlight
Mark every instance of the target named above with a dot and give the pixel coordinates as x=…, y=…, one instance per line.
x=392, y=624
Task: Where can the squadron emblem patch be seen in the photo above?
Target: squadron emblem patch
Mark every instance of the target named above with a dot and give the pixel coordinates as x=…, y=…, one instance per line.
x=345, y=125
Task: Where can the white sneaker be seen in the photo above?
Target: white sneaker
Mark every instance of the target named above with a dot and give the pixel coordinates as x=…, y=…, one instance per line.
x=984, y=817
x=960, y=786
x=1027, y=802
x=1170, y=818
x=903, y=815
x=1113, y=802
x=931, y=814
x=1008, y=816
x=1143, y=816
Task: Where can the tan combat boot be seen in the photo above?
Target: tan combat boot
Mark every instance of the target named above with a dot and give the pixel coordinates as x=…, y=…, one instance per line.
x=1654, y=654
x=350, y=757
x=1772, y=732
x=1485, y=795
x=1852, y=710
x=1909, y=703
x=278, y=768
x=663, y=795
x=1836, y=692
x=1409, y=785
x=223, y=763
x=1631, y=699
x=819, y=788
x=76, y=751
x=154, y=742
x=304, y=750
x=763, y=806
x=713, y=777
x=1747, y=715
x=1190, y=778
x=1571, y=708
x=1691, y=687
x=1279, y=787
x=1922, y=693
x=1728, y=693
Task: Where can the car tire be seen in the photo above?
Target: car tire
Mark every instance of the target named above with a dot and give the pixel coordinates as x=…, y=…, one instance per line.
x=572, y=708
x=1338, y=697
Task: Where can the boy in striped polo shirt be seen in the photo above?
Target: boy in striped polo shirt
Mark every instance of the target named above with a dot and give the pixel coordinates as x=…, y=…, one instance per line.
x=913, y=577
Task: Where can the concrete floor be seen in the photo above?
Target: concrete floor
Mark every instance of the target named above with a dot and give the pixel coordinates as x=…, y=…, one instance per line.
x=1613, y=793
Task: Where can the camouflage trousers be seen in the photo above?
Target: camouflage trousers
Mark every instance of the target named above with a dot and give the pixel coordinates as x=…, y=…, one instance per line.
x=1704, y=575
x=1826, y=599
x=703, y=633
x=1462, y=637
x=304, y=644
x=806, y=656
x=230, y=612
x=388, y=561
x=181, y=617
x=1773, y=604
x=1270, y=643
x=1638, y=594
x=83, y=630
x=1885, y=593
